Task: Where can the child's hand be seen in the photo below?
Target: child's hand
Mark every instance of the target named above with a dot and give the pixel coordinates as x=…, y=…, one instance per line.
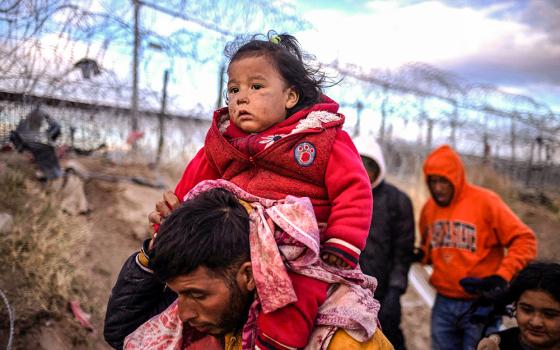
x=491, y=342
x=163, y=209
x=335, y=261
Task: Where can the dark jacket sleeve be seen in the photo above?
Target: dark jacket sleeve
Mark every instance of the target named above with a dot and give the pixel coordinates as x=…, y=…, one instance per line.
x=135, y=298
x=402, y=225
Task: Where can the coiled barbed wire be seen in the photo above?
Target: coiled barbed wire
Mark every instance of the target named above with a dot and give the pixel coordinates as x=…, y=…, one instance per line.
x=11, y=319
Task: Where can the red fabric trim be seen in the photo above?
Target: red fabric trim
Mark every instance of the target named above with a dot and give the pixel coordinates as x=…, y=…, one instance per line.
x=343, y=252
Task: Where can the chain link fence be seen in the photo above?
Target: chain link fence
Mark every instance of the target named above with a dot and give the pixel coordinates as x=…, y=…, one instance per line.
x=88, y=126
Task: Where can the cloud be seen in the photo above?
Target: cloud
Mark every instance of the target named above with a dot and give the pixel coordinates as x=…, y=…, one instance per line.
x=544, y=15
x=506, y=43
x=392, y=35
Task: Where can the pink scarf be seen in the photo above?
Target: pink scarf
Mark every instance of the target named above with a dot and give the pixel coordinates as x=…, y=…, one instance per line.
x=282, y=233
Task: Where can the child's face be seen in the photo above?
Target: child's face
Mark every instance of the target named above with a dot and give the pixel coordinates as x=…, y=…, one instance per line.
x=538, y=318
x=258, y=95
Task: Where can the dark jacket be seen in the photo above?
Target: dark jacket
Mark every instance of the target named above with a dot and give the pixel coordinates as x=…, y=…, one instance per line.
x=390, y=244
x=509, y=339
x=135, y=298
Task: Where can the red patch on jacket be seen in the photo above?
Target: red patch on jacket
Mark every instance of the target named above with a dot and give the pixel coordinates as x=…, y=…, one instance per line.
x=304, y=153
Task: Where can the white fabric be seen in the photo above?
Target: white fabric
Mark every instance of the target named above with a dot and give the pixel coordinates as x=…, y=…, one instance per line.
x=368, y=147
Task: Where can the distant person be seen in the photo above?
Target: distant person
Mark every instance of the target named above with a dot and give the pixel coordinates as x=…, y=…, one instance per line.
x=389, y=247
x=475, y=244
x=203, y=291
x=280, y=135
x=535, y=294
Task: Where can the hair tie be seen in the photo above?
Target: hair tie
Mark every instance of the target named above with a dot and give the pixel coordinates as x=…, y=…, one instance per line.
x=246, y=205
x=275, y=39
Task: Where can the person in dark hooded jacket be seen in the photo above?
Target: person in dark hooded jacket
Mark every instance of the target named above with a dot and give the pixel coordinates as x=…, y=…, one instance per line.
x=389, y=246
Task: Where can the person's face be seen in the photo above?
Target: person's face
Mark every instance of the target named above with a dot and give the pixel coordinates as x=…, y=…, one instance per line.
x=258, y=96
x=211, y=303
x=441, y=189
x=538, y=318
x=372, y=168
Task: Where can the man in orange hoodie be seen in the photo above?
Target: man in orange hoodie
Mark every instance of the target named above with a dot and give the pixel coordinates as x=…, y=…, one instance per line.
x=466, y=231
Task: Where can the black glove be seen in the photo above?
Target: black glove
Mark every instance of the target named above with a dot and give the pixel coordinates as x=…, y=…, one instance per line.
x=493, y=287
x=490, y=288
x=417, y=255
x=490, y=291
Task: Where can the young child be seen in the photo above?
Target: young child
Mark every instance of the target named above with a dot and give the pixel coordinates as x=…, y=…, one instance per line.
x=535, y=294
x=281, y=136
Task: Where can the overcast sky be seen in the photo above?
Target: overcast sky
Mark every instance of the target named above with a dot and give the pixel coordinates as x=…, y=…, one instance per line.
x=512, y=44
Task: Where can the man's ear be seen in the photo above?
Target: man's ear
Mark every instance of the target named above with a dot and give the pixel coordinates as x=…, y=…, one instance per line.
x=245, y=278
x=293, y=98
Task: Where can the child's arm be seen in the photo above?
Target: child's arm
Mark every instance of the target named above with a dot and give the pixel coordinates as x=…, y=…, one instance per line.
x=351, y=198
x=198, y=169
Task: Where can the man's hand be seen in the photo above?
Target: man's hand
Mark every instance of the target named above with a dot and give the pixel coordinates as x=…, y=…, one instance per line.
x=163, y=209
x=490, y=288
x=417, y=255
x=335, y=261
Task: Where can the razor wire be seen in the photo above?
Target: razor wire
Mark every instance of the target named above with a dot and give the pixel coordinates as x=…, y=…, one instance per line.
x=11, y=319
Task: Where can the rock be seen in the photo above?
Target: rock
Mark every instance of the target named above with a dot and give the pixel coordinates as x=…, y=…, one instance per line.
x=73, y=196
x=6, y=223
x=139, y=232
x=78, y=168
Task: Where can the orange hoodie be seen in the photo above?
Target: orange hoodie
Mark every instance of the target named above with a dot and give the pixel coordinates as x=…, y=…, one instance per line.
x=469, y=237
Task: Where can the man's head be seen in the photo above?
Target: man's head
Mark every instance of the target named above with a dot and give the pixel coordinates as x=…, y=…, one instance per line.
x=372, y=168
x=372, y=158
x=202, y=253
x=445, y=175
x=441, y=189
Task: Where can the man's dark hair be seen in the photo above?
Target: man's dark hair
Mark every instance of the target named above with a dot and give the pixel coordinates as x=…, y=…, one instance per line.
x=287, y=57
x=536, y=276
x=210, y=230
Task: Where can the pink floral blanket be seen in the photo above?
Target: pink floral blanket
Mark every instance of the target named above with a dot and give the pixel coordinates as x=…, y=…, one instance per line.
x=283, y=235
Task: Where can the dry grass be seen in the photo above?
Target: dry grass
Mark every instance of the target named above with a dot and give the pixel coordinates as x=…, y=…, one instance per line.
x=485, y=176
x=39, y=256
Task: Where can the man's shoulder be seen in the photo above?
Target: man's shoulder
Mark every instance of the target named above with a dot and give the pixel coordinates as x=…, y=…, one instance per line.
x=343, y=341
x=429, y=206
x=481, y=194
x=395, y=190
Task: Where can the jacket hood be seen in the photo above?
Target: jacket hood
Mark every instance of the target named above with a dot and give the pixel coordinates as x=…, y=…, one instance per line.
x=444, y=161
x=368, y=147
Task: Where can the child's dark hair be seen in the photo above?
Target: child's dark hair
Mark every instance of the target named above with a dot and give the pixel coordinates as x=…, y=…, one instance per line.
x=543, y=276
x=289, y=60
x=537, y=275
x=210, y=230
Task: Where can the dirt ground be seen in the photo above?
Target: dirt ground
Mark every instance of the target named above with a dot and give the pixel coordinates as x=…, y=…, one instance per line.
x=114, y=229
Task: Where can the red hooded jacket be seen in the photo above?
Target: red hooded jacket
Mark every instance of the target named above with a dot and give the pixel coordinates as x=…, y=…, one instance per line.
x=469, y=237
x=317, y=160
